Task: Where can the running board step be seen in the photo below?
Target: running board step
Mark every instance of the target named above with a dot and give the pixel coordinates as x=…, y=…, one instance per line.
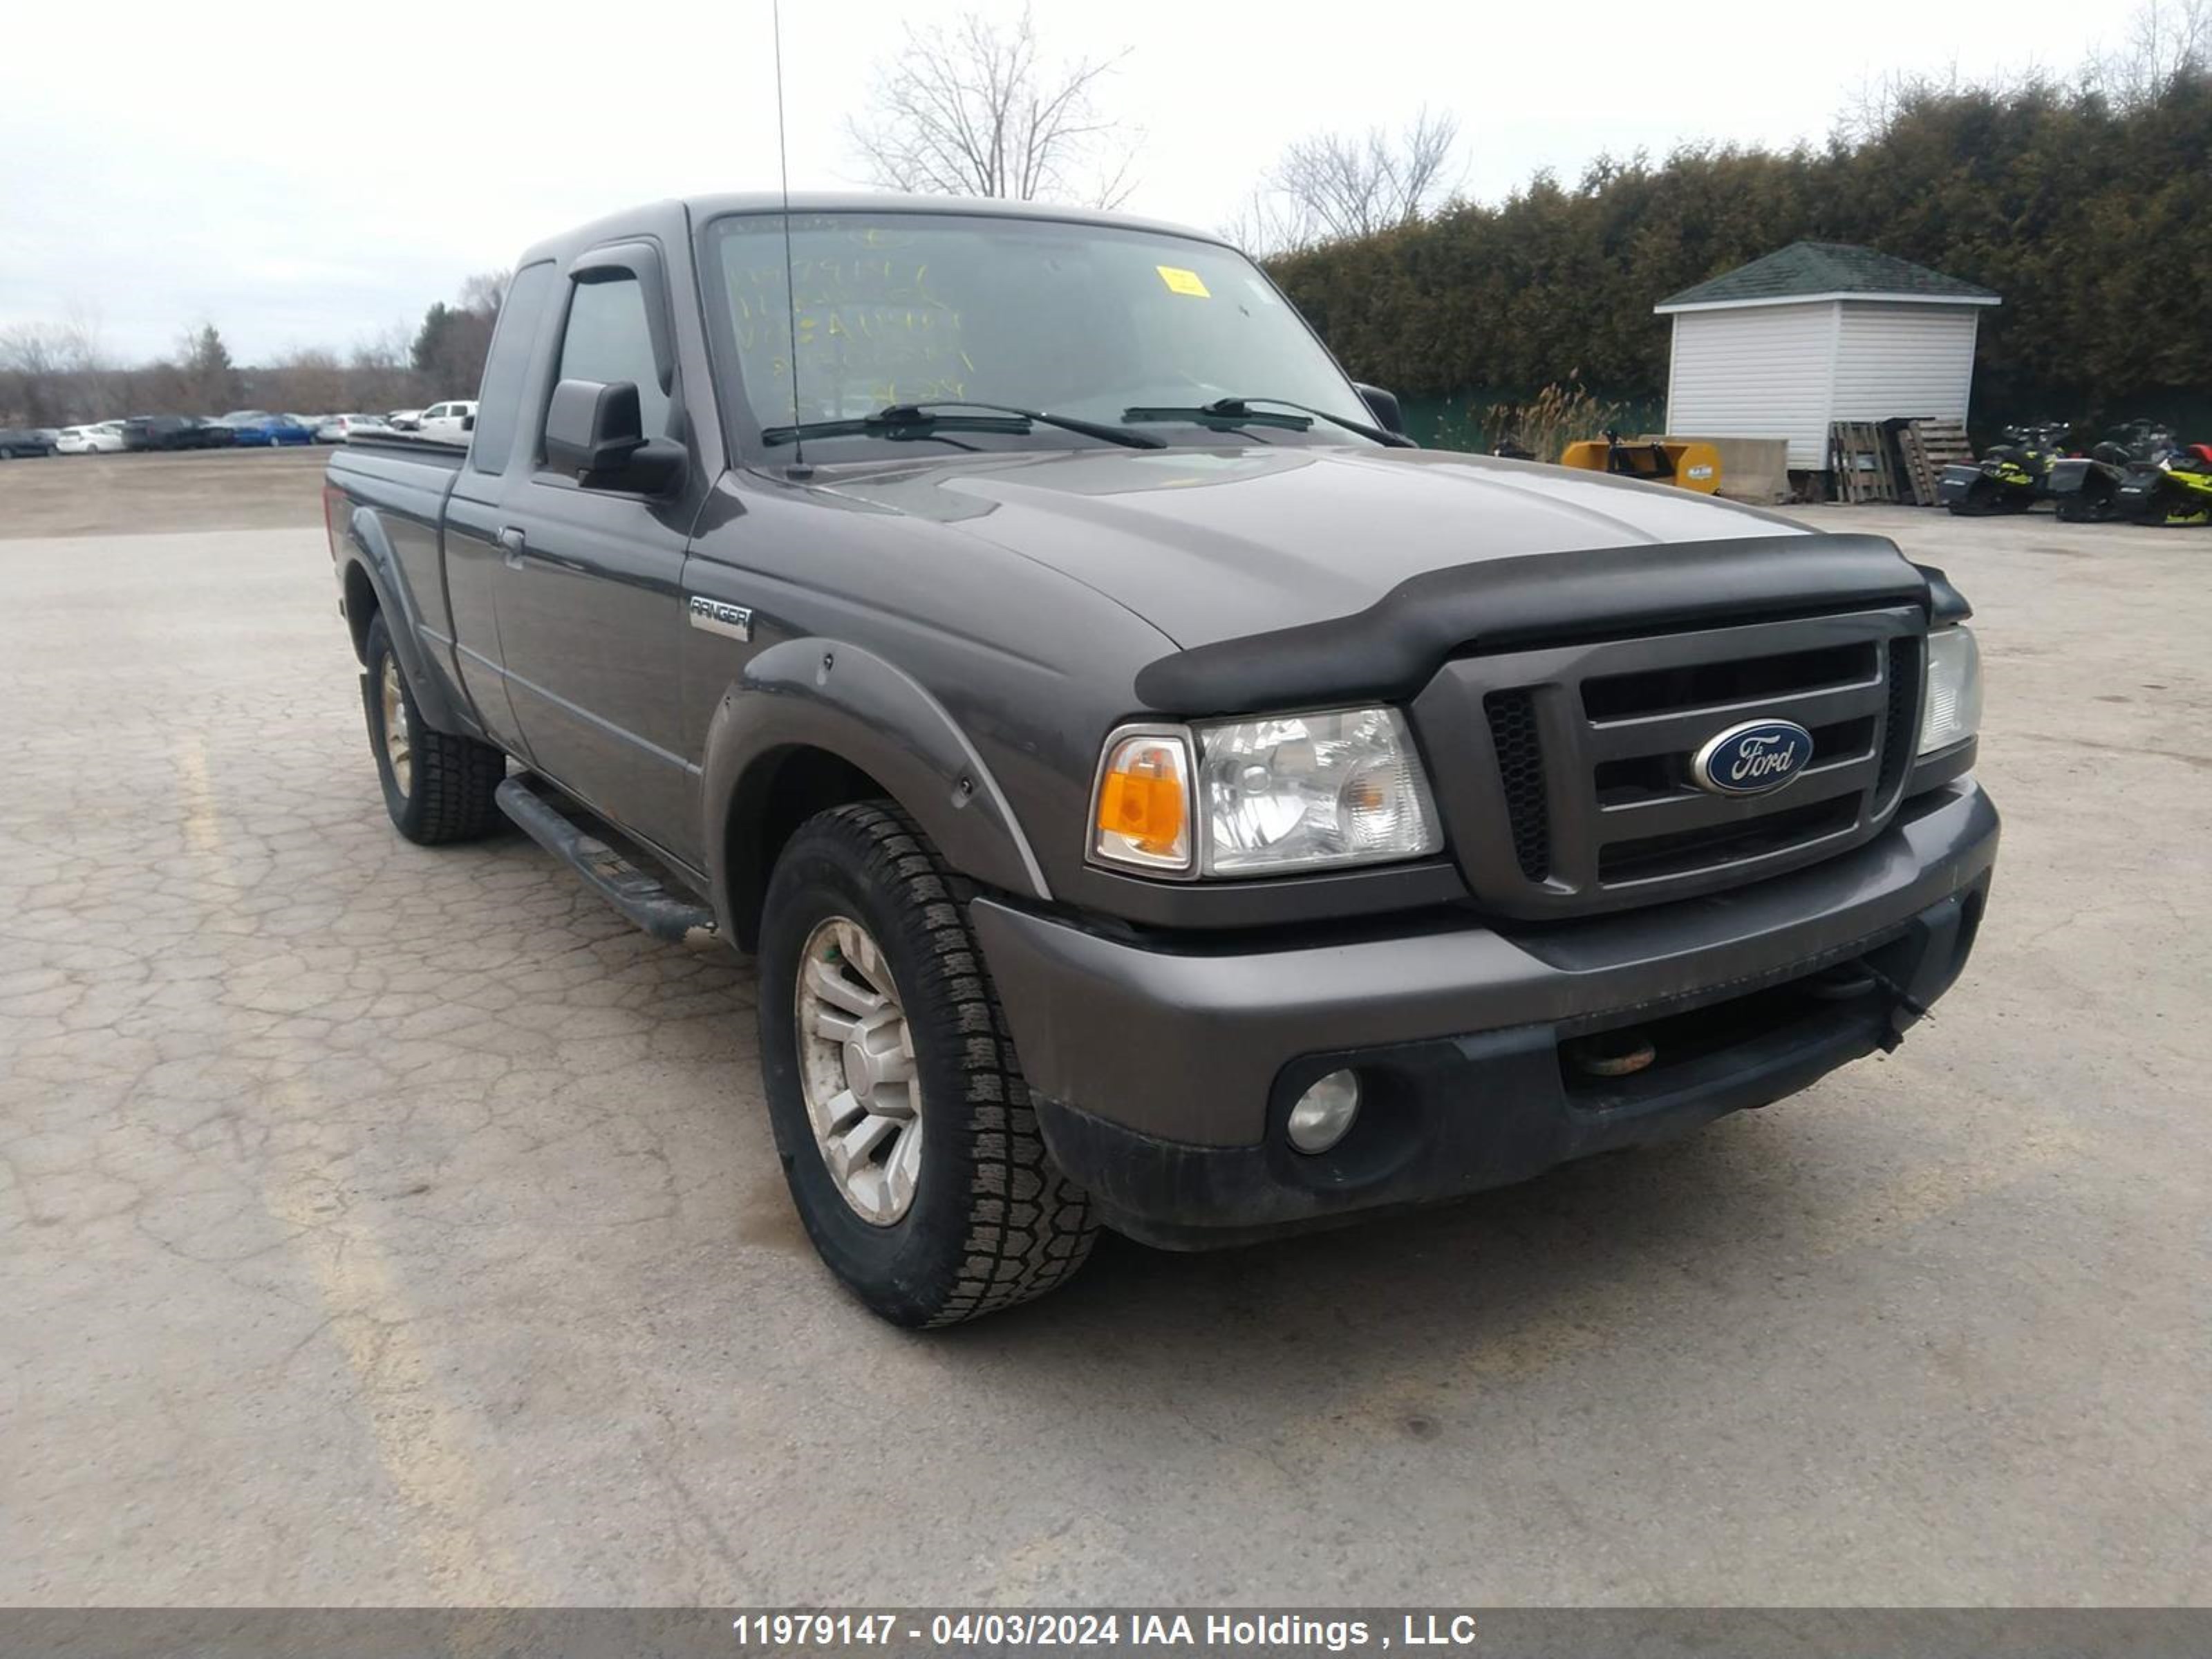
x=644, y=898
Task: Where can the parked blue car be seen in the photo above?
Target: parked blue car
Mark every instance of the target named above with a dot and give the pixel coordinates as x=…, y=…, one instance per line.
x=258, y=427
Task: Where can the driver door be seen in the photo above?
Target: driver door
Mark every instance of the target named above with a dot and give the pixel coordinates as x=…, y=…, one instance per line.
x=590, y=617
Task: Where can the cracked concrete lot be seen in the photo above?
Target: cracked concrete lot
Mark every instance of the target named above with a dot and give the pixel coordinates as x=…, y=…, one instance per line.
x=391, y=1225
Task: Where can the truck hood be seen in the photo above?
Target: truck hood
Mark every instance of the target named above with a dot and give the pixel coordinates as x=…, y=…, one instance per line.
x=1214, y=544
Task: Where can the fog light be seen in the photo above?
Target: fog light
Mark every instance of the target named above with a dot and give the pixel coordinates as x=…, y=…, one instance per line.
x=1325, y=1113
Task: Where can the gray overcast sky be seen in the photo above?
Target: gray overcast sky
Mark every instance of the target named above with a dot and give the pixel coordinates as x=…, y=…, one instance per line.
x=315, y=173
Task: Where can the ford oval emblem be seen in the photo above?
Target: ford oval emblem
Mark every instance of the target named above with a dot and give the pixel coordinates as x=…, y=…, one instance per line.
x=1753, y=759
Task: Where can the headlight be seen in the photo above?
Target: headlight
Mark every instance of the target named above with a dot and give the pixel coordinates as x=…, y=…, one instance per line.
x=1265, y=797
x=1952, y=712
x=1310, y=792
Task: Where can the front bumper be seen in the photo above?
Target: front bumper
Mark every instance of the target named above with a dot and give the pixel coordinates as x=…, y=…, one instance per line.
x=1162, y=1076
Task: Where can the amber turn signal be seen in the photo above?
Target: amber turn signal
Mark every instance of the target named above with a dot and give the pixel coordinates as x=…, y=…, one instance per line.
x=1143, y=815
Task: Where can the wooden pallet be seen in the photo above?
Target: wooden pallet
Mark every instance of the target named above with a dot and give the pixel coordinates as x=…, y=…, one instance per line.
x=1927, y=448
x=1858, y=456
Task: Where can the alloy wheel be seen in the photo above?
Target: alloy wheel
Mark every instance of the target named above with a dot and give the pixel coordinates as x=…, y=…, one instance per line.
x=398, y=731
x=856, y=1070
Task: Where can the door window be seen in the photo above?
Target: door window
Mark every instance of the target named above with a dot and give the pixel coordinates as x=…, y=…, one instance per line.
x=608, y=341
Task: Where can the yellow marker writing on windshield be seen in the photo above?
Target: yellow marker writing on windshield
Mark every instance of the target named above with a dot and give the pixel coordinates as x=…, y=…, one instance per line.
x=1183, y=282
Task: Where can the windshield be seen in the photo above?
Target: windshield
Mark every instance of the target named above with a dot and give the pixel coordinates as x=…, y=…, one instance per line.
x=1092, y=321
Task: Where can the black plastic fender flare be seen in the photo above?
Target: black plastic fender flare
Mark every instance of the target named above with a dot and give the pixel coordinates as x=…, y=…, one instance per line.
x=366, y=546
x=823, y=694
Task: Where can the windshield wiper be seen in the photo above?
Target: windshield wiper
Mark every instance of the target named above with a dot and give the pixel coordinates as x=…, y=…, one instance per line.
x=897, y=421
x=1112, y=435
x=1232, y=411
x=918, y=420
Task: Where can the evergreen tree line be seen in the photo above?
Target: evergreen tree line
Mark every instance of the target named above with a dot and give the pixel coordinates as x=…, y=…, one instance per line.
x=2091, y=214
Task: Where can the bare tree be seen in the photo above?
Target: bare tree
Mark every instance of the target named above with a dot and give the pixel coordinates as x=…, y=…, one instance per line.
x=379, y=374
x=96, y=384
x=2166, y=41
x=1269, y=222
x=485, y=292
x=1332, y=186
x=55, y=374
x=308, y=381
x=974, y=110
x=30, y=392
x=1873, y=107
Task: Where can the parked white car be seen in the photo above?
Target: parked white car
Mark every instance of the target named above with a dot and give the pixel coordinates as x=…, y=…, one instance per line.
x=337, y=428
x=106, y=438
x=404, y=420
x=453, y=420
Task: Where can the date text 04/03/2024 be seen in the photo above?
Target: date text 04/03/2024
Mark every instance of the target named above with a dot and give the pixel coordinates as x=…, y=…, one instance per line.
x=1078, y=1630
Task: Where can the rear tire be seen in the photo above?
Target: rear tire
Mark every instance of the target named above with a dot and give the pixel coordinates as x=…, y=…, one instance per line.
x=438, y=788
x=979, y=1219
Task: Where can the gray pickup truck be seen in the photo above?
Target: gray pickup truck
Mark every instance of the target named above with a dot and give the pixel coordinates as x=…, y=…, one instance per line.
x=1157, y=794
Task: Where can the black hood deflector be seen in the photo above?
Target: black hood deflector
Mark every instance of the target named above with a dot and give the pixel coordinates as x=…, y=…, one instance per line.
x=1394, y=646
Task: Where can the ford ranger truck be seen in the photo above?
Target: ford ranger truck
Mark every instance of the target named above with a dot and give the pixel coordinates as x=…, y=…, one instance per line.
x=1155, y=793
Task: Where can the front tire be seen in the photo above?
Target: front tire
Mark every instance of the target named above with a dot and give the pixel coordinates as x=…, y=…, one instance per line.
x=438, y=788
x=901, y=1115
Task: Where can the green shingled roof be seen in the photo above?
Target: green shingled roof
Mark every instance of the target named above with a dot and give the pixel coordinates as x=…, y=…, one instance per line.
x=1808, y=268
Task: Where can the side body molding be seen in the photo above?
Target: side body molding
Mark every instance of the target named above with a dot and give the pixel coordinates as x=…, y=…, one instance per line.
x=437, y=699
x=812, y=693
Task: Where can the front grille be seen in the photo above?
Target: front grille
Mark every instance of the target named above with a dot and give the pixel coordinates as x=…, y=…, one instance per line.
x=1692, y=849
x=1900, y=717
x=1695, y=685
x=1512, y=717
x=1584, y=799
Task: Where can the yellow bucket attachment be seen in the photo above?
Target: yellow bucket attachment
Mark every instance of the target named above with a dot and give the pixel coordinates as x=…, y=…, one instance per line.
x=1656, y=460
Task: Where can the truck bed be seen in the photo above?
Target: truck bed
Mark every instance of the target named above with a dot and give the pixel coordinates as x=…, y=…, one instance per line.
x=400, y=474
x=430, y=449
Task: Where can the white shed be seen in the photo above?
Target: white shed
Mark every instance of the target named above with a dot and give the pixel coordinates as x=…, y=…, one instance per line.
x=1817, y=332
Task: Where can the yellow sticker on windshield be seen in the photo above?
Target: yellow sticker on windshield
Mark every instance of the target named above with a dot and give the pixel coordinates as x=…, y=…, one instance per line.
x=1183, y=282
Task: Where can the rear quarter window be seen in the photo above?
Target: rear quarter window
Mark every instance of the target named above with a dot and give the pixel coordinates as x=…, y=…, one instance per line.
x=499, y=409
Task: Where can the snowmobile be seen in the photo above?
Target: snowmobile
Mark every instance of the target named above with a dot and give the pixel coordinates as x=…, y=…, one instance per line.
x=2086, y=489
x=2142, y=473
x=2175, y=490
x=2012, y=476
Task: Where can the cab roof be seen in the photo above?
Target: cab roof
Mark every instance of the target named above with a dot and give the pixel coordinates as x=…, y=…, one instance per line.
x=698, y=210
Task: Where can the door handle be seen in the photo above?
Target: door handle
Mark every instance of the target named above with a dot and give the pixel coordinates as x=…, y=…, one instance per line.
x=512, y=544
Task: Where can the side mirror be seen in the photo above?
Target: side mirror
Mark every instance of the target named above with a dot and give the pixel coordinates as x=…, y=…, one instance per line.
x=1383, y=406
x=591, y=427
x=595, y=434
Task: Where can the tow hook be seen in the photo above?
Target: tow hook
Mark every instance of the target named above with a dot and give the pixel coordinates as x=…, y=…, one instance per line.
x=1855, y=979
x=1846, y=981
x=1611, y=1054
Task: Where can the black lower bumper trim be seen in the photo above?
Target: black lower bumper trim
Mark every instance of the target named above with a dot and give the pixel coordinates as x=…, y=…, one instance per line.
x=1449, y=1116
